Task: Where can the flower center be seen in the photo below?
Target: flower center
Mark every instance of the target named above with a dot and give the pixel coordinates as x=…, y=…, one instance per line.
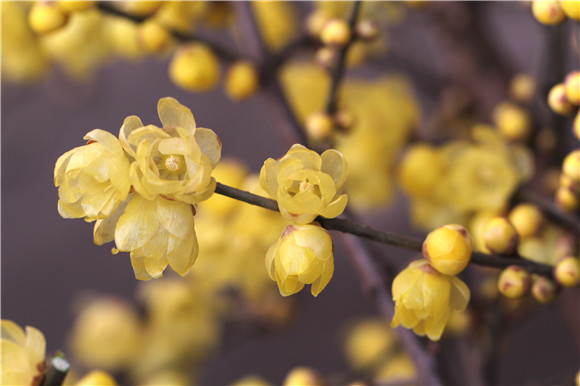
x=174, y=164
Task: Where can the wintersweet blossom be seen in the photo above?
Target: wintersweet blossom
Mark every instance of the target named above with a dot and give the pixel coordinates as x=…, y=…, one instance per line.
x=424, y=299
x=302, y=255
x=306, y=184
x=93, y=179
x=22, y=354
x=175, y=161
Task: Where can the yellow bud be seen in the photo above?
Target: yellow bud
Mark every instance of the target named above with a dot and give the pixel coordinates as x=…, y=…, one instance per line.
x=512, y=121
x=75, y=6
x=46, y=17
x=558, y=100
x=544, y=290
x=567, y=271
x=97, y=378
x=522, y=87
x=241, y=81
x=335, y=33
x=500, y=236
x=571, y=8
x=548, y=12
x=566, y=199
x=572, y=84
x=303, y=376
x=195, y=68
x=154, y=37
x=315, y=22
x=366, y=30
x=319, y=126
x=571, y=166
x=514, y=282
x=420, y=170
x=527, y=219
x=325, y=57
x=448, y=249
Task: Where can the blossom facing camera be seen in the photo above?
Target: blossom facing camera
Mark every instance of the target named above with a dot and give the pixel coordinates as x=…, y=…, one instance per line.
x=302, y=255
x=175, y=161
x=92, y=179
x=306, y=184
x=424, y=299
x=22, y=352
x=448, y=249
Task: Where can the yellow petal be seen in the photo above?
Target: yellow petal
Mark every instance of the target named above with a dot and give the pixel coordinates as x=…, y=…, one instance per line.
x=336, y=207
x=173, y=145
x=181, y=253
x=294, y=259
x=459, y=296
x=35, y=345
x=104, y=230
x=334, y=164
x=269, y=177
x=106, y=139
x=70, y=210
x=327, y=272
x=173, y=114
x=130, y=124
x=138, y=265
x=12, y=331
x=210, y=144
x=137, y=225
x=176, y=217
x=309, y=158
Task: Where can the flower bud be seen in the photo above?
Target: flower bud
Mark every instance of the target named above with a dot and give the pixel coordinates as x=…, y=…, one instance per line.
x=315, y=22
x=420, y=170
x=500, y=236
x=303, y=376
x=548, y=12
x=335, y=33
x=319, y=126
x=512, y=121
x=45, y=17
x=571, y=166
x=366, y=30
x=567, y=271
x=241, y=81
x=566, y=199
x=325, y=57
x=544, y=290
x=514, y=282
x=344, y=119
x=97, y=378
x=572, y=86
x=527, y=219
x=558, y=100
x=154, y=38
x=571, y=8
x=448, y=249
x=522, y=87
x=566, y=182
x=195, y=68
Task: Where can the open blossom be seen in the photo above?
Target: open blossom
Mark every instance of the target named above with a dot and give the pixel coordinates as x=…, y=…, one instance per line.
x=22, y=354
x=424, y=299
x=175, y=161
x=92, y=179
x=157, y=232
x=303, y=255
x=306, y=184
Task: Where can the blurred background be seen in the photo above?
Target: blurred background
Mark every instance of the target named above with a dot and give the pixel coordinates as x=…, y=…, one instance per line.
x=50, y=266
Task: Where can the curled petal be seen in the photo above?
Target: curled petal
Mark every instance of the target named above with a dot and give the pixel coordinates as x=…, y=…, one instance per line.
x=173, y=114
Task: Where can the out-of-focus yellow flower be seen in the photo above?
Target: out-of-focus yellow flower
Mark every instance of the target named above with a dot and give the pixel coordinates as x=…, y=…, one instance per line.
x=302, y=255
x=174, y=161
x=512, y=121
x=399, y=368
x=92, y=179
x=420, y=170
x=251, y=380
x=241, y=81
x=424, y=299
x=571, y=8
x=306, y=184
x=46, y=17
x=21, y=354
x=303, y=376
x=167, y=377
x=277, y=21
x=122, y=35
x=107, y=334
x=368, y=343
x=157, y=232
x=97, y=378
x=194, y=67
x=155, y=38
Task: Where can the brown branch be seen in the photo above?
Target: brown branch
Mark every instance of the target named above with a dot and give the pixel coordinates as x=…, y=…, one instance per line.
x=347, y=226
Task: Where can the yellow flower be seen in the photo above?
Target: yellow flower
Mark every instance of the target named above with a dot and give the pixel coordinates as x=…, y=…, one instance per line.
x=175, y=161
x=21, y=354
x=97, y=378
x=302, y=255
x=305, y=184
x=368, y=343
x=92, y=179
x=424, y=299
x=157, y=232
x=277, y=21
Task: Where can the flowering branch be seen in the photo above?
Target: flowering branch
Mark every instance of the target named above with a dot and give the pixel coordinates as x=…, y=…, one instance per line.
x=57, y=371
x=347, y=226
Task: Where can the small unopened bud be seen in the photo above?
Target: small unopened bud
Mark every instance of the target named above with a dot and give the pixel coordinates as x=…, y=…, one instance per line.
x=344, y=119
x=567, y=271
x=315, y=22
x=319, y=126
x=241, y=81
x=335, y=33
x=522, y=87
x=448, y=249
x=325, y=57
x=500, y=236
x=558, y=101
x=45, y=17
x=154, y=38
x=303, y=376
x=544, y=290
x=566, y=199
x=571, y=166
x=548, y=12
x=514, y=282
x=572, y=84
x=527, y=219
x=512, y=122
x=366, y=30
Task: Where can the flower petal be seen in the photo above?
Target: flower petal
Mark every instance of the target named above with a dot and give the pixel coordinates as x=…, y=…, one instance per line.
x=173, y=114
x=137, y=225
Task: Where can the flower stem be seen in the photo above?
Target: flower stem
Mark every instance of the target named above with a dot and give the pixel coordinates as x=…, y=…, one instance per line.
x=57, y=370
x=347, y=226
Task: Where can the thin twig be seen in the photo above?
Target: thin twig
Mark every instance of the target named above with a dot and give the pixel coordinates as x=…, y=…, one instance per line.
x=57, y=370
x=347, y=226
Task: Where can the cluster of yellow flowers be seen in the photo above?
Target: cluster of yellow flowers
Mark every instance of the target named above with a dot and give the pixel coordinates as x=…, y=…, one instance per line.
x=305, y=185
x=141, y=189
